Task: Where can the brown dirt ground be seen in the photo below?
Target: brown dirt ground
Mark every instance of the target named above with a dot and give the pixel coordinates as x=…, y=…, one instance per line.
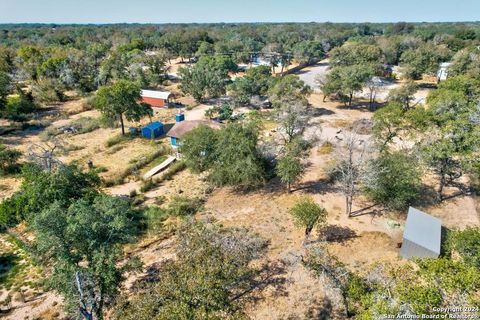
x=370, y=238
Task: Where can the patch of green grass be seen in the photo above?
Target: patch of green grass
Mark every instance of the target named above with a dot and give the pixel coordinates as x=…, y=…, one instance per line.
x=184, y=206
x=119, y=139
x=85, y=124
x=138, y=164
x=16, y=268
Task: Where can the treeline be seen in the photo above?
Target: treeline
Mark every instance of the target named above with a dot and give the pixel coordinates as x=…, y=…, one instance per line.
x=48, y=60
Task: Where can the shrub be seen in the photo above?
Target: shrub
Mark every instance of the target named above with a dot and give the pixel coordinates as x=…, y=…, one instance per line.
x=154, y=217
x=48, y=91
x=184, y=206
x=85, y=124
x=147, y=185
x=118, y=139
x=18, y=107
x=467, y=244
x=174, y=169
x=8, y=159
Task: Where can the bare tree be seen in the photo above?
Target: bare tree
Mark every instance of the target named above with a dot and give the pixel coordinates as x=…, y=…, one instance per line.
x=374, y=85
x=293, y=119
x=44, y=155
x=334, y=275
x=320, y=80
x=351, y=161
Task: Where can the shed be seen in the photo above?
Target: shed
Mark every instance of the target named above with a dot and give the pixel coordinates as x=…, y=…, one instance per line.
x=153, y=130
x=422, y=235
x=157, y=99
x=442, y=73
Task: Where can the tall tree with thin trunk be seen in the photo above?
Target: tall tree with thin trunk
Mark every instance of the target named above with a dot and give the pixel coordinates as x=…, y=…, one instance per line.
x=351, y=161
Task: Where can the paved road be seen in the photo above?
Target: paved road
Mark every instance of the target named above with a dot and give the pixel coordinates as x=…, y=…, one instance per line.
x=309, y=74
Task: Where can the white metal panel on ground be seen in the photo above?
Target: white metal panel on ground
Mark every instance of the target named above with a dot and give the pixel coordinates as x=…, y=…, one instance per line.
x=422, y=235
x=159, y=168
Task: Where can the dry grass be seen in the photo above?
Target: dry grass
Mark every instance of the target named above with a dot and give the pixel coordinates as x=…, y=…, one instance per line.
x=326, y=148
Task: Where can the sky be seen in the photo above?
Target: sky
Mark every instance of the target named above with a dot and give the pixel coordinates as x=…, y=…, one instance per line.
x=185, y=11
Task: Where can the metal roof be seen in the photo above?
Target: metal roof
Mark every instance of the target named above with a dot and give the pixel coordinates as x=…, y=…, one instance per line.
x=423, y=229
x=156, y=94
x=183, y=127
x=154, y=125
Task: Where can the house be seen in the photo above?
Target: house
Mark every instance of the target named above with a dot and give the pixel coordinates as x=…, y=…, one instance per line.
x=157, y=99
x=183, y=126
x=422, y=235
x=442, y=73
x=153, y=130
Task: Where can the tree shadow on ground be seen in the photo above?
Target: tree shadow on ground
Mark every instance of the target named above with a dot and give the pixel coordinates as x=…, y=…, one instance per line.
x=356, y=106
x=271, y=275
x=318, y=111
x=428, y=196
x=425, y=85
x=318, y=186
x=463, y=190
x=320, y=310
x=335, y=233
x=373, y=210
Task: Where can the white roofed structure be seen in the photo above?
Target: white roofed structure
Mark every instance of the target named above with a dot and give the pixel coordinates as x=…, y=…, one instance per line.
x=156, y=94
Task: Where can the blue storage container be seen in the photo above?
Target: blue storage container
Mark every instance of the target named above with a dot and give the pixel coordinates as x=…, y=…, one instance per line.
x=153, y=130
x=179, y=117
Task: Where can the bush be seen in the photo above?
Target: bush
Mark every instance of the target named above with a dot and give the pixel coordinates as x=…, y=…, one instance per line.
x=154, y=217
x=8, y=159
x=85, y=124
x=118, y=139
x=133, y=193
x=184, y=206
x=49, y=91
x=147, y=185
x=18, y=107
x=467, y=244
x=173, y=170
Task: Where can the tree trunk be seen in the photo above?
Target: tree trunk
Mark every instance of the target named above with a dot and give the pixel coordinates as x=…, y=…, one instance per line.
x=442, y=185
x=308, y=230
x=348, y=205
x=350, y=100
x=123, y=126
x=371, y=101
x=289, y=190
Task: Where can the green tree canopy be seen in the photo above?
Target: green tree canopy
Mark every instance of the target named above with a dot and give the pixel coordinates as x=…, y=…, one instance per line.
x=199, y=148
x=40, y=189
x=85, y=238
x=289, y=89
x=208, y=77
x=121, y=100
x=345, y=81
x=308, y=214
x=207, y=280
x=394, y=179
x=238, y=161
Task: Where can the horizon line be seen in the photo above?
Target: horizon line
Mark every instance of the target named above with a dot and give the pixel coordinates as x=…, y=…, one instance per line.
x=231, y=22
